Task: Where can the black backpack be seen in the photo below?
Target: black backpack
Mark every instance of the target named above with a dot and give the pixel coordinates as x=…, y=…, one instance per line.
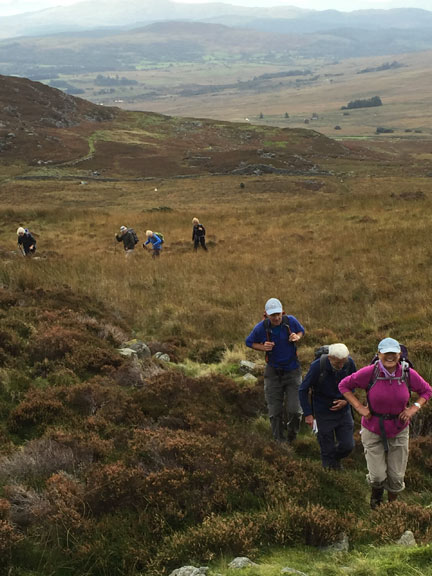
x=322, y=354
x=134, y=235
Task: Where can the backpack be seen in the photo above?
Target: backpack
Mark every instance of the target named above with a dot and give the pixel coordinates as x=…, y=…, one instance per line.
x=134, y=235
x=406, y=365
x=161, y=236
x=322, y=354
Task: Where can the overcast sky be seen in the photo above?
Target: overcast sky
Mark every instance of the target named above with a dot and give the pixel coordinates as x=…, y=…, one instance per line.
x=16, y=6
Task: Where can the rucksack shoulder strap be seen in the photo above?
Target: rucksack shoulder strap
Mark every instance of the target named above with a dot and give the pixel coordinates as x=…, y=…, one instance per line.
x=374, y=376
x=406, y=373
x=285, y=322
x=323, y=364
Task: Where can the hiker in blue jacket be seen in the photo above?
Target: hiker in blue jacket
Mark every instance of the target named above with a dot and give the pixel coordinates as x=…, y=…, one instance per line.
x=277, y=335
x=155, y=241
x=321, y=400
x=26, y=242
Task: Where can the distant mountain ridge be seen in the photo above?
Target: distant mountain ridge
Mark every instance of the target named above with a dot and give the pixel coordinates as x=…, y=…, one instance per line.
x=92, y=14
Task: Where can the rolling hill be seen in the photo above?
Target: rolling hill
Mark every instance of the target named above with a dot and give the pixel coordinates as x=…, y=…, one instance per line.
x=42, y=125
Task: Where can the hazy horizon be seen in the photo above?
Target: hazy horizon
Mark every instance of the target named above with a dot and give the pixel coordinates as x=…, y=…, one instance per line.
x=10, y=7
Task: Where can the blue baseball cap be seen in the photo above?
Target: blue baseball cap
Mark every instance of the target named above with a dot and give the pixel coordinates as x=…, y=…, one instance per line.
x=273, y=306
x=389, y=345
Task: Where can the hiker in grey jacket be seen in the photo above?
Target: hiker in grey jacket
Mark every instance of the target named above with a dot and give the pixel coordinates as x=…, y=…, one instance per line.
x=126, y=236
x=26, y=242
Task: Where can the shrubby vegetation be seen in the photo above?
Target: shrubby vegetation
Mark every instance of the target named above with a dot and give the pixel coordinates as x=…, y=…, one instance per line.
x=382, y=130
x=116, y=80
x=109, y=466
x=363, y=103
x=386, y=66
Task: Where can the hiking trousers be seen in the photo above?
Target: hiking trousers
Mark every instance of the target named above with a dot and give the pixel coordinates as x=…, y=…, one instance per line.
x=200, y=240
x=281, y=394
x=386, y=470
x=335, y=437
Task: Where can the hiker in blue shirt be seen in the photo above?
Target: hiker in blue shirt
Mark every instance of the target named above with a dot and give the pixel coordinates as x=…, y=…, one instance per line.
x=155, y=241
x=277, y=335
x=322, y=401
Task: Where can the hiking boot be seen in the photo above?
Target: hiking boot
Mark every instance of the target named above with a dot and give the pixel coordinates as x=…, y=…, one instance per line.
x=376, y=497
x=392, y=496
x=291, y=436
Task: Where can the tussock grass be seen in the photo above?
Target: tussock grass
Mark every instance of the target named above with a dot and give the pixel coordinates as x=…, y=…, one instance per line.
x=351, y=261
x=174, y=469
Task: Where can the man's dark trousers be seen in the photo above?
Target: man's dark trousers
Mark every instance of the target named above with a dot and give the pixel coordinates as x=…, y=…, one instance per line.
x=335, y=437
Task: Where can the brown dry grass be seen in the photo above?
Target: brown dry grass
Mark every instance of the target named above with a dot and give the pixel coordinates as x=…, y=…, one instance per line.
x=351, y=260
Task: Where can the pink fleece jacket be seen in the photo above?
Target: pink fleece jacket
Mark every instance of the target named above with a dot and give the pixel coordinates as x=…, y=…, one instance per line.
x=387, y=396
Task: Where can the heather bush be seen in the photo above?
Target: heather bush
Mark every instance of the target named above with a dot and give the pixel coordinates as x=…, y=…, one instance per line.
x=8, y=539
x=421, y=425
x=37, y=459
x=114, y=486
x=420, y=451
x=247, y=534
x=68, y=512
x=38, y=409
x=53, y=342
x=235, y=535
x=313, y=525
x=4, y=509
x=388, y=522
x=61, y=451
x=28, y=505
x=215, y=398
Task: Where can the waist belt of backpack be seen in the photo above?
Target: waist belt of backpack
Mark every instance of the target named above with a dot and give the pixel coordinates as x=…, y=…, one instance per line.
x=381, y=418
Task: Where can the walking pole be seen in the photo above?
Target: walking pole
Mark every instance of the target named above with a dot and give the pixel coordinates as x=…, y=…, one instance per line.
x=22, y=249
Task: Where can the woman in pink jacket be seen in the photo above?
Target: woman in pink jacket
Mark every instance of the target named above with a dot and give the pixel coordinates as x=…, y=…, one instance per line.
x=386, y=417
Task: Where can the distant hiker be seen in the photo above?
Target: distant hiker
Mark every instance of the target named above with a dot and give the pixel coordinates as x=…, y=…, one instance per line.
x=321, y=401
x=386, y=417
x=198, y=235
x=26, y=242
x=277, y=335
x=156, y=241
x=128, y=237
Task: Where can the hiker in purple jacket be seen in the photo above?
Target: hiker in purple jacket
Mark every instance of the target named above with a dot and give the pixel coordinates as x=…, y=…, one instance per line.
x=386, y=417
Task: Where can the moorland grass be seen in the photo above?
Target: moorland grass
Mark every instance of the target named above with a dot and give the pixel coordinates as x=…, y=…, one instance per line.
x=351, y=261
x=160, y=480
